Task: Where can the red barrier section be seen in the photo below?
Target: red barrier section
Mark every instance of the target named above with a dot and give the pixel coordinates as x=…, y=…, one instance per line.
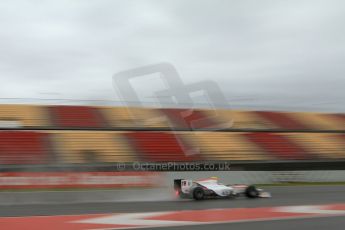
x=21, y=147
x=161, y=146
x=340, y=117
x=191, y=119
x=278, y=146
x=282, y=120
x=77, y=116
x=46, y=180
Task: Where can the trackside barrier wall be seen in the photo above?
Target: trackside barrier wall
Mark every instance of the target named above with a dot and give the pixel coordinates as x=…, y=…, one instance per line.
x=63, y=180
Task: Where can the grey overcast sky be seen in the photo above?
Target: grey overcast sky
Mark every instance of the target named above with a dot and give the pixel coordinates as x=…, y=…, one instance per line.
x=277, y=54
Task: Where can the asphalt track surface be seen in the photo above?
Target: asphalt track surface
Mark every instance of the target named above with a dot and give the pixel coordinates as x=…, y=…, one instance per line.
x=282, y=196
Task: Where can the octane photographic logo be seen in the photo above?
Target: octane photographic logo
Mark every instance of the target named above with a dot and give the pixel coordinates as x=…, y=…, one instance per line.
x=175, y=95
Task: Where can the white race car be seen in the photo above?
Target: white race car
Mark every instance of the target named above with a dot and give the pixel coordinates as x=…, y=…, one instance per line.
x=211, y=188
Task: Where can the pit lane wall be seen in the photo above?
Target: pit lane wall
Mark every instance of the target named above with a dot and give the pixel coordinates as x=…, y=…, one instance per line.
x=68, y=180
x=90, y=180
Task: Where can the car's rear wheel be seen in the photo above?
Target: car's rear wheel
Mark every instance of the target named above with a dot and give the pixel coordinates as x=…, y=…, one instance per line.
x=182, y=195
x=252, y=192
x=198, y=193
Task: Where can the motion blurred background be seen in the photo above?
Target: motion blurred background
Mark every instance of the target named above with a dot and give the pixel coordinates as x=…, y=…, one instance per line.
x=278, y=64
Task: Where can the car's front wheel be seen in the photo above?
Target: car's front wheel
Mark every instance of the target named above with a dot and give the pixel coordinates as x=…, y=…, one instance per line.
x=252, y=192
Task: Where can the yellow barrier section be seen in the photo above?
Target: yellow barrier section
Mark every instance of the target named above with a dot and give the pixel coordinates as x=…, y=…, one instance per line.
x=24, y=115
x=323, y=145
x=240, y=119
x=92, y=146
x=134, y=117
x=318, y=121
x=226, y=146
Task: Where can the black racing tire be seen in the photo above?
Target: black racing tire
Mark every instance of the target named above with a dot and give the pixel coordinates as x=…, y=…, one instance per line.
x=251, y=192
x=198, y=193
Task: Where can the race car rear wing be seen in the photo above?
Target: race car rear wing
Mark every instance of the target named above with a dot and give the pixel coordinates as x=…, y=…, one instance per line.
x=182, y=185
x=178, y=184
